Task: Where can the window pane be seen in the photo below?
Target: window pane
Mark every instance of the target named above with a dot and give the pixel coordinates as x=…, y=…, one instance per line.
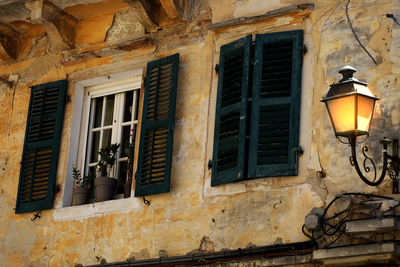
x=98, y=111
x=123, y=168
x=136, y=105
x=95, y=146
x=126, y=130
x=106, y=137
x=109, y=110
x=128, y=106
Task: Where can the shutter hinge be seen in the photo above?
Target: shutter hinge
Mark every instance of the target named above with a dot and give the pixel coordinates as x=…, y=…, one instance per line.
x=305, y=49
x=67, y=98
x=145, y=201
x=216, y=68
x=36, y=215
x=299, y=151
x=210, y=163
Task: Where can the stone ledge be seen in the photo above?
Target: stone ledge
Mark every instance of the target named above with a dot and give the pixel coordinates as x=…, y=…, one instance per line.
x=373, y=225
x=371, y=253
x=82, y=212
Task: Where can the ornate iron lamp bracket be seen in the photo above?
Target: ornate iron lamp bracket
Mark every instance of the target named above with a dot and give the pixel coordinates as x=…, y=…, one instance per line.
x=390, y=162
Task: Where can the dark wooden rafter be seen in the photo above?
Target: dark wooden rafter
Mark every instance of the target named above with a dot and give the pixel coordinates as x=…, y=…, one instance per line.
x=9, y=38
x=64, y=22
x=147, y=12
x=175, y=8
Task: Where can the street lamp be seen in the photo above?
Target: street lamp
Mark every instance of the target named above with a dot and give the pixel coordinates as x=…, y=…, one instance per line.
x=350, y=106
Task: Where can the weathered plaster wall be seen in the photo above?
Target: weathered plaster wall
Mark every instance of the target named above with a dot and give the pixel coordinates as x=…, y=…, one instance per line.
x=194, y=215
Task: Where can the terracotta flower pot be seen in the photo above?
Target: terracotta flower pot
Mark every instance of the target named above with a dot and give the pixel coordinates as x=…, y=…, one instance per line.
x=80, y=196
x=104, y=188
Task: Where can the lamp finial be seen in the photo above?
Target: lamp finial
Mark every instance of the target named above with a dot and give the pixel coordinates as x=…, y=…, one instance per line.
x=347, y=72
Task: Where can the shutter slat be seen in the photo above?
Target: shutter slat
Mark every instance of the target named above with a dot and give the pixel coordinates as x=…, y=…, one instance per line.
x=273, y=160
x=274, y=129
x=41, y=147
x=276, y=83
x=231, y=108
x=155, y=148
x=274, y=122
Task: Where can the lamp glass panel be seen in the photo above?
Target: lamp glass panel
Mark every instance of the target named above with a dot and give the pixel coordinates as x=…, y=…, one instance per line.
x=342, y=112
x=364, y=112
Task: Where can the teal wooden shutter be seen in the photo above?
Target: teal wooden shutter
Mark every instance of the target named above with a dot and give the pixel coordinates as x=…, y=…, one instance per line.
x=275, y=109
x=42, y=141
x=230, y=117
x=157, y=128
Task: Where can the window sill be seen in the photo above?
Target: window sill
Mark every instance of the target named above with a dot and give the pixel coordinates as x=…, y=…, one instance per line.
x=123, y=205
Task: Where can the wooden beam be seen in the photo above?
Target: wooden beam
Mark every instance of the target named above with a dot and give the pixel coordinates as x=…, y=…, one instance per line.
x=9, y=38
x=142, y=43
x=269, y=14
x=170, y=8
x=147, y=13
x=175, y=8
x=4, y=56
x=64, y=22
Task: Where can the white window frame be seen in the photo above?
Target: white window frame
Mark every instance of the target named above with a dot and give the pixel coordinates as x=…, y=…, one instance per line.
x=93, y=93
x=84, y=91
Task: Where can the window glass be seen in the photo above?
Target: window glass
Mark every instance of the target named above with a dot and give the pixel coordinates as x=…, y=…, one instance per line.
x=107, y=137
x=95, y=146
x=122, y=176
x=109, y=110
x=126, y=131
x=98, y=102
x=128, y=108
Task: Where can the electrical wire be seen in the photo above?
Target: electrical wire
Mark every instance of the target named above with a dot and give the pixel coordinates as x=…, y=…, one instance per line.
x=337, y=214
x=355, y=35
x=337, y=238
x=392, y=208
x=393, y=18
x=337, y=229
x=306, y=234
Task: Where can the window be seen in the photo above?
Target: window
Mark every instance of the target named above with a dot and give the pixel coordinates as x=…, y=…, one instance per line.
x=106, y=110
x=112, y=119
x=258, y=108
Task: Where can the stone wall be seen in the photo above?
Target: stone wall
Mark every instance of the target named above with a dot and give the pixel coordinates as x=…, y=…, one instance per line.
x=263, y=211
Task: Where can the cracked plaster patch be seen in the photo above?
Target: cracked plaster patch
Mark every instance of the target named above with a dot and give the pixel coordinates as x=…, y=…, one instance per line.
x=125, y=26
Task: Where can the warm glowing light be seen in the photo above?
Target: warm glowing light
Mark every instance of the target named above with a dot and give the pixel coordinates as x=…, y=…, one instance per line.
x=350, y=104
x=364, y=113
x=342, y=112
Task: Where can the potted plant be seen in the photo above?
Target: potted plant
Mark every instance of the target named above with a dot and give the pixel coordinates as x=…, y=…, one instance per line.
x=104, y=185
x=82, y=188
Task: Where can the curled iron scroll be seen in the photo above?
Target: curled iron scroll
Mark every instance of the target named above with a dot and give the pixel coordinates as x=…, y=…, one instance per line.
x=368, y=160
x=368, y=163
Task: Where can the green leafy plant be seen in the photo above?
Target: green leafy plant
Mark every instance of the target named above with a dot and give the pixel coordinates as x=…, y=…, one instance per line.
x=107, y=157
x=81, y=182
